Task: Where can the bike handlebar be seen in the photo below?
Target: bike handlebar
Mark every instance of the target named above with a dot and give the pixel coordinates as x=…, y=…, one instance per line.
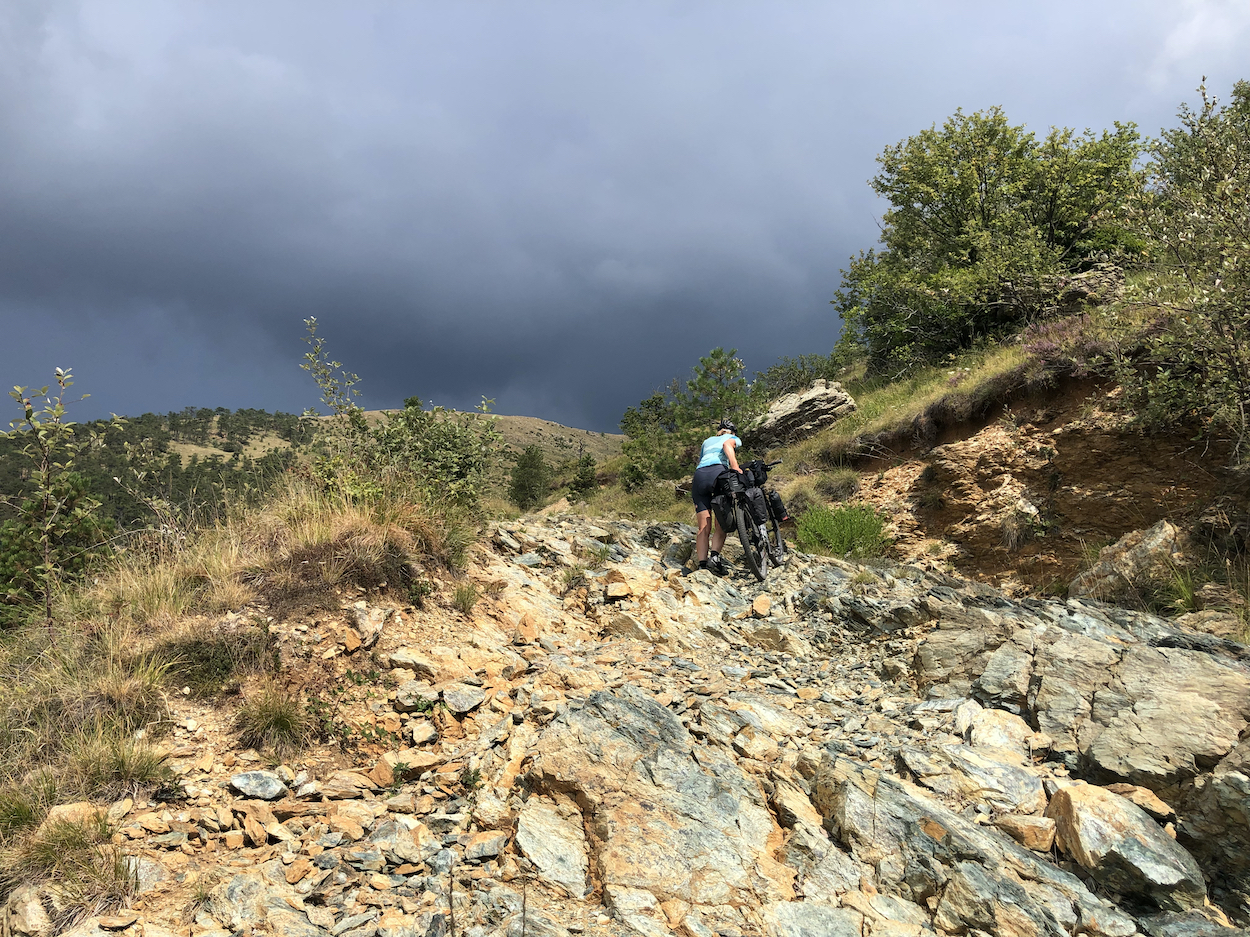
x=771, y=464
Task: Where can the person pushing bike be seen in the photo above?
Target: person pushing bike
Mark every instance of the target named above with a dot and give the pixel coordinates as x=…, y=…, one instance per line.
x=716, y=455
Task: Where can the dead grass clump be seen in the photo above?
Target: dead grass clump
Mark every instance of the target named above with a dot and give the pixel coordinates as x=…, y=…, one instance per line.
x=295, y=551
x=838, y=485
x=272, y=719
x=102, y=764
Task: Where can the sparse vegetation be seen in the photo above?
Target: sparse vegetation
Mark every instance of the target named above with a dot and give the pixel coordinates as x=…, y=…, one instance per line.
x=839, y=485
x=465, y=597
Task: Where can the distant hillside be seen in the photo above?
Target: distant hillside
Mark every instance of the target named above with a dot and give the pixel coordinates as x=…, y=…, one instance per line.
x=557, y=441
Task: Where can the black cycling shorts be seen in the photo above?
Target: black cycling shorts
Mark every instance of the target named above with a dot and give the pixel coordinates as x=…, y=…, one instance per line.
x=704, y=486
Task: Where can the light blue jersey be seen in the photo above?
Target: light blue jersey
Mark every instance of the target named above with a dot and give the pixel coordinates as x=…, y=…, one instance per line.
x=714, y=451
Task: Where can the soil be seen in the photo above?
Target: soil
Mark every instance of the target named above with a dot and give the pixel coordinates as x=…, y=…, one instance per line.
x=1022, y=500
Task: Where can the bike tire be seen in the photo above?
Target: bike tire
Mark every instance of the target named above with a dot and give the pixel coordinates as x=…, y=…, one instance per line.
x=757, y=559
x=776, y=542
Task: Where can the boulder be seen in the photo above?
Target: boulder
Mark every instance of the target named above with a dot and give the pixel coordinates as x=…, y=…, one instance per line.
x=556, y=844
x=797, y=416
x=1137, y=556
x=1123, y=849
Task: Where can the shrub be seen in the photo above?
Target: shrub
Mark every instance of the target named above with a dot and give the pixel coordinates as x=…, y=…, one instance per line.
x=271, y=719
x=854, y=530
x=1196, y=363
x=531, y=479
x=983, y=216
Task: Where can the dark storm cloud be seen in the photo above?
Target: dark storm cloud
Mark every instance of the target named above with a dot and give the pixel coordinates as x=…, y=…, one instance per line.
x=559, y=205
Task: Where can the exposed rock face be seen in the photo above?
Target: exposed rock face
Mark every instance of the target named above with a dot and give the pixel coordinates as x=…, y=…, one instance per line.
x=797, y=416
x=1135, y=557
x=886, y=752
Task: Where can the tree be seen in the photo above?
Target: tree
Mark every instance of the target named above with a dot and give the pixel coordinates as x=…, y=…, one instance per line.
x=664, y=428
x=1196, y=209
x=981, y=213
x=56, y=526
x=584, y=480
x=531, y=479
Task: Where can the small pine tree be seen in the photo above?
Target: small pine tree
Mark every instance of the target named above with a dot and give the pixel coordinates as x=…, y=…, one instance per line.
x=584, y=481
x=531, y=478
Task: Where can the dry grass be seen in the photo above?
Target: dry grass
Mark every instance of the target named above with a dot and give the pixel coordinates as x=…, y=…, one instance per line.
x=953, y=392
x=295, y=551
x=273, y=719
x=658, y=501
x=86, y=872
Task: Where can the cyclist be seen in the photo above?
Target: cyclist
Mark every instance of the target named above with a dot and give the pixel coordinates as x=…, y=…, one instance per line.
x=716, y=455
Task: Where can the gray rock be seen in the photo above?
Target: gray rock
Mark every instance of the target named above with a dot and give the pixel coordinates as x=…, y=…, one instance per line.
x=1125, y=850
x=556, y=846
x=264, y=785
x=811, y=919
x=976, y=899
x=415, y=696
x=1186, y=924
x=797, y=416
x=1121, y=567
x=463, y=697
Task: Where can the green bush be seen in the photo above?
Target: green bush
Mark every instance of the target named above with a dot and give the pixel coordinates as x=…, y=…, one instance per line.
x=446, y=456
x=1195, y=363
x=531, y=479
x=983, y=218
x=854, y=530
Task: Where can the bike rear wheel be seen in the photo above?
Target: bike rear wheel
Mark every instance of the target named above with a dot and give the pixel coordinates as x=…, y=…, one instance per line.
x=755, y=553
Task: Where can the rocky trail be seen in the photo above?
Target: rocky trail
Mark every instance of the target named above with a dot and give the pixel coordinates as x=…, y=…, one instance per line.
x=877, y=751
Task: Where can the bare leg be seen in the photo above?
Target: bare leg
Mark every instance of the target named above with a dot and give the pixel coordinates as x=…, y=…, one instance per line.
x=705, y=530
x=718, y=538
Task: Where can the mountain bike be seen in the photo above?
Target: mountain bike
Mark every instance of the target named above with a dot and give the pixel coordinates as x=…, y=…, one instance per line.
x=762, y=544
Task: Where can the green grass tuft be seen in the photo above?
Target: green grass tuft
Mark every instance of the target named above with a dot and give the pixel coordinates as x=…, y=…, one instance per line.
x=854, y=530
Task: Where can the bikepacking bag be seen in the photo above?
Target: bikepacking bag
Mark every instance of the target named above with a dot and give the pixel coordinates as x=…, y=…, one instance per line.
x=722, y=507
x=759, y=510
x=727, y=482
x=779, y=509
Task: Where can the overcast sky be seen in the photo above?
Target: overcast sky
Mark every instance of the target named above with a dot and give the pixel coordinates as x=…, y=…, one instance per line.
x=557, y=204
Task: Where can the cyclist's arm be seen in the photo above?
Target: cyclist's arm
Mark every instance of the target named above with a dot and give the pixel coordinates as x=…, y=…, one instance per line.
x=729, y=454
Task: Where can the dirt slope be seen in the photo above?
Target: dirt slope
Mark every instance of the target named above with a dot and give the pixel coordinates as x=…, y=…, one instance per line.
x=1022, y=501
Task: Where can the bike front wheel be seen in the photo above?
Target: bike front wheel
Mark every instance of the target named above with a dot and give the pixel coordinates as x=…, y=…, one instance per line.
x=755, y=552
